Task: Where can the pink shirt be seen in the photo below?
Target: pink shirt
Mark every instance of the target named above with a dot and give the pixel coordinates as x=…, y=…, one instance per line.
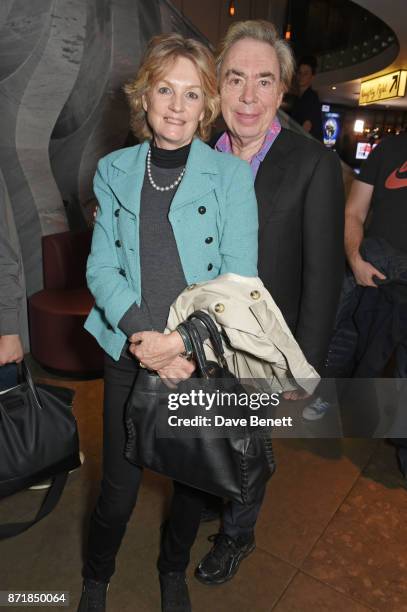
x=225, y=146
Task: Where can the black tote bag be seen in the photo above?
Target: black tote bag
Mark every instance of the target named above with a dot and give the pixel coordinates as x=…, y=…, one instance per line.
x=235, y=467
x=38, y=441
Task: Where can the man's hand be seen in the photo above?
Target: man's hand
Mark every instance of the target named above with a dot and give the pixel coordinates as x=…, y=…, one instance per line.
x=364, y=272
x=297, y=394
x=154, y=350
x=11, y=350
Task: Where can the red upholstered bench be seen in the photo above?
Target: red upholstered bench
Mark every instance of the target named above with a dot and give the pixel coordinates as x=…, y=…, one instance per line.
x=57, y=312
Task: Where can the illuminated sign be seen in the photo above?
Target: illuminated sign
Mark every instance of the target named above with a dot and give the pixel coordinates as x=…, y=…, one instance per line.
x=392, y=85
x=330, y=128
x=363, y=149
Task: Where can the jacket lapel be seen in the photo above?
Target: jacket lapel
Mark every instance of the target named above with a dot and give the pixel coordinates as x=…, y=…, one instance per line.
x=196, y=181
x=127, y=186
x=270, y=177
x=132, y=164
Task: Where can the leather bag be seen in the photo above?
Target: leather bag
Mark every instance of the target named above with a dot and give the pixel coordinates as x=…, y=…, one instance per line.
x=38, y=441
x=235, y=467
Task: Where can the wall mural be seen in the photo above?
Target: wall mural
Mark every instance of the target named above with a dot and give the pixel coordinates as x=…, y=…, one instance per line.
x=62, y=67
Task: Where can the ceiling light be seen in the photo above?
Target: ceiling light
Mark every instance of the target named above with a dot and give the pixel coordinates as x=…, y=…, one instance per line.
x=359, y=125
x=333, y=87
x=232, y=9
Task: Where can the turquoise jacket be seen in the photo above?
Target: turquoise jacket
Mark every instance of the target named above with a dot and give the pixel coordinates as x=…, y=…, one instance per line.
x=215, y=198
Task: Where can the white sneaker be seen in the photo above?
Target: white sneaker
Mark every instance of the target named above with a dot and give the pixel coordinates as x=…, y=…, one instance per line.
x=41, y=486
x=316, y=410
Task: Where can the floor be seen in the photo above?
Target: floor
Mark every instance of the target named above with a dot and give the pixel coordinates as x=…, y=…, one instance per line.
x=332, y=535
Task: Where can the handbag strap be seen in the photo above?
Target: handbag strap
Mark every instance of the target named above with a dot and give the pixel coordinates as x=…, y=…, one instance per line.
x=25, y=375
x=197, y=347
x=52, y=498
x=214, y=334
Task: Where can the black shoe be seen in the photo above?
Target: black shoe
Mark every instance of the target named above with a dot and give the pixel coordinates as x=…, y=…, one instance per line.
x=174, y=593
x=223, y=560
x=93, y=596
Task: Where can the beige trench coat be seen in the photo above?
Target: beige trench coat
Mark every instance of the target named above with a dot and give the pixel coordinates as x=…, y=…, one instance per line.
x=261, y=346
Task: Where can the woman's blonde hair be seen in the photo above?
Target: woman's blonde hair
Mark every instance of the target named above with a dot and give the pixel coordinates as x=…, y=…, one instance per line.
x=162, y=50
x=263, y=31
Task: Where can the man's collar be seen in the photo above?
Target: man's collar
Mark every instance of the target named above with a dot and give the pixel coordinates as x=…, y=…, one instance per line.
x=224, y=143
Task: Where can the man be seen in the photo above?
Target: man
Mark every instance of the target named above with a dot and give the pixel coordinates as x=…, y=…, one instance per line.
x=11, y=295
x=381, y=189
x=307, y=108
x=299, y=190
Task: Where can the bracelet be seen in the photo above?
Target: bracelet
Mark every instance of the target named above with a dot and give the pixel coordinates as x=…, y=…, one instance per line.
x=186, y=340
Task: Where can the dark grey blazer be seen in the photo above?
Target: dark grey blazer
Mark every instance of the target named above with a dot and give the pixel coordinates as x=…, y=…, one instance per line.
x=299, y=189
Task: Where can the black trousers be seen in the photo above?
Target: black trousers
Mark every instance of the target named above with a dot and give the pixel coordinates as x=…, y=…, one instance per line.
x=119, y=489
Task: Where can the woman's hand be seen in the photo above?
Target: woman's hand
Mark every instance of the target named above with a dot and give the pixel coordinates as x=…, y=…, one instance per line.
x=154, y=350
x=179, y=369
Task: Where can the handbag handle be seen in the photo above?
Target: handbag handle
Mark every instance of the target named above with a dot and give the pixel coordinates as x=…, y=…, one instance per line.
x=198, y=351
x=24, y=375
x=214, y=334
x=189, y=328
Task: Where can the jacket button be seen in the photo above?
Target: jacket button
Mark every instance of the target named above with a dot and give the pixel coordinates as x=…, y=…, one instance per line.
x=190, y=287
x=255, y=294
x=122, y=272
x=210, y=266
x=202, y=210
x=117, y=212
x=118, y=244
x=208, y=240
x=219, y=307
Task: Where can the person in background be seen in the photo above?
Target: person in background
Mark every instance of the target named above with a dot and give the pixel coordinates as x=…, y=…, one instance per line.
x=380, y=191
x=11, y=296
x=306, y=109
x=300, y=195
x=172, y=212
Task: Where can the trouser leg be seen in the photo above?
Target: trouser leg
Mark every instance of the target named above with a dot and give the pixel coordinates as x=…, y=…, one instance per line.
x=120, y=479
x=180, y=531
x=239, y=520
x=401, y=372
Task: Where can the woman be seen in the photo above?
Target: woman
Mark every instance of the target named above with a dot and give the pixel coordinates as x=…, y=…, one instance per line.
x=171, y=212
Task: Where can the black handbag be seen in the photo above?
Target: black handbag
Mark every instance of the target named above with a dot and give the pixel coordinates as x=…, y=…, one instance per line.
x=38, y=440
x=235, y=467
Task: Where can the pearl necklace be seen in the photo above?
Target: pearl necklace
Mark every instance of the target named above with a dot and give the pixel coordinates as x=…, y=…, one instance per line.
x=153, y=184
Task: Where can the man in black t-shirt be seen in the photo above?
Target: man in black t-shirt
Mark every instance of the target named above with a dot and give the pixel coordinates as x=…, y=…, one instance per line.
x=307, y=108
x=381, y=188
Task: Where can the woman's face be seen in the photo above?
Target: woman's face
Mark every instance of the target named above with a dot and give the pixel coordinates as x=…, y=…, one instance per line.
x=175, y=104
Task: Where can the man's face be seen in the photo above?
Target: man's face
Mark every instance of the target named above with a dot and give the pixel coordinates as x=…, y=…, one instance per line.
x=304, y=76
x=250, y=89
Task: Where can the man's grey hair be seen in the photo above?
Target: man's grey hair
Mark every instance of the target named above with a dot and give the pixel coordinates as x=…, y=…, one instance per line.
x=263, y=31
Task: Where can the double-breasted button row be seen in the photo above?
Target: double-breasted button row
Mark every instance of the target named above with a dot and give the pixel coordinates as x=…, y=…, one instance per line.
x=202, y=210
x=118, y=244
x=209, y=240
x=117, y=212
x=122, y=272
